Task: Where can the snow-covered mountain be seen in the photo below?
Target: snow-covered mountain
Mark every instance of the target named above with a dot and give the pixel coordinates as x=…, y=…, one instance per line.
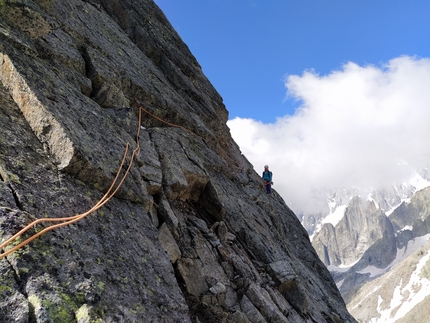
x=366, y=235
x=402, y=294
x=386, y=198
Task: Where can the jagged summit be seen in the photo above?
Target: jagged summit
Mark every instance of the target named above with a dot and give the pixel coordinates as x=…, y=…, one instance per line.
x=190, y=235
x=368, y=241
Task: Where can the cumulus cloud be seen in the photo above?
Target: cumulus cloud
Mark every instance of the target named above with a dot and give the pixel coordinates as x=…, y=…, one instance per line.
x=360, y=126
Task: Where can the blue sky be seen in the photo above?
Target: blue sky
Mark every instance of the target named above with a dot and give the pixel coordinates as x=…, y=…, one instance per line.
x=332, y=94
x=247, y=47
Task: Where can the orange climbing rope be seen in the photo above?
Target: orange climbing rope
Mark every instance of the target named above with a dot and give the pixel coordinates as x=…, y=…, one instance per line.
x=109, y=194
x=69, y=220
x=238, y=168
x=168, y=123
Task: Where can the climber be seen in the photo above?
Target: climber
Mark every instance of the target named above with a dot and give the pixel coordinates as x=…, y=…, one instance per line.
x=267, y=179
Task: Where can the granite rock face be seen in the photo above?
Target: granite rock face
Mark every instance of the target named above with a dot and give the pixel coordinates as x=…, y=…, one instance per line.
x=190, y=236
x=363, y=237
x=362, y=225
x=367, y=244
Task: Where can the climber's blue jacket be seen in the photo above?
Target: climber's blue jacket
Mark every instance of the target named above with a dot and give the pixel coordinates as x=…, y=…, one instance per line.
x=267, y=176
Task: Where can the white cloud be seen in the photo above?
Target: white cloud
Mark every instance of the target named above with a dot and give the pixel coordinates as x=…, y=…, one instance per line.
x=361, y=126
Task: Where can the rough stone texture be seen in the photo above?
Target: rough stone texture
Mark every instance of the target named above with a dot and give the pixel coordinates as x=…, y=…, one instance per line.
x=411, y=220
x=363, y=292
x=364, y=237
x=367, y=237
x=190, y=236
x=401, y=295
x=169, y=243
x=362, y=225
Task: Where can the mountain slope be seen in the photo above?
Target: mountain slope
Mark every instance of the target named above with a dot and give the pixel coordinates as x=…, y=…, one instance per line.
x=189, y=236
x=365, y=243
x=401, y=295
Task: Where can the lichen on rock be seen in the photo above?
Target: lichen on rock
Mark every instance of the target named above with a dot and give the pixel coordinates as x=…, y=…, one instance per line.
x=189, y=236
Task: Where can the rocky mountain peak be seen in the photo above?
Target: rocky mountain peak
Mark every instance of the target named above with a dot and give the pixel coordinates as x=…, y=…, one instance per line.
x=190, y=235
x=379, y=246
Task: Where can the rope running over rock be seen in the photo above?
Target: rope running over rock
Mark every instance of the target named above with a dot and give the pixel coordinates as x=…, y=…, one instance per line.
x=238, y=168
x=109, y=194
x=166, y=122
x=72, y=219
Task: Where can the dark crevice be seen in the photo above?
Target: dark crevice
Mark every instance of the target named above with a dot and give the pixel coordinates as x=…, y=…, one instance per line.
x=31, y=313
x=183, y=288
x=84, y=54
x=19, y=282
x=88, y=70
x=16, y=198
x=15, y=276
x=21, y=289
x=203, y=214
x=198, y=311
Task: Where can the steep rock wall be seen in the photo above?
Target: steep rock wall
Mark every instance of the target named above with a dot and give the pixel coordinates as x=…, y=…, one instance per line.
x=362, y=225
x=190, y=235
x=363, y=237
x=367, y=237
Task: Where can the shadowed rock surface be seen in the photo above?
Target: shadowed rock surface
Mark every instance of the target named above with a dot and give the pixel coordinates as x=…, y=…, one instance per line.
x=190, y=236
